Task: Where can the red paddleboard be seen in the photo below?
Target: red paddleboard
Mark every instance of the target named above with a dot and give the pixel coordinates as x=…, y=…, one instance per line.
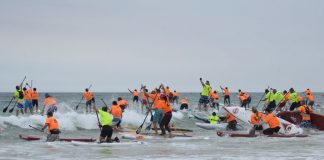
x=37, y=138
x=317, y=121
x=29, y=137
x=231, y=134
x=292, y=117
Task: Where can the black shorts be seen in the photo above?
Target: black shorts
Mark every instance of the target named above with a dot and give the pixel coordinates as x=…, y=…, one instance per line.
x=184, y=106
x=35, y=102
x=135, y=98
x=88, y=103
x=270, y=131
x=106, y=131
x=122, y=107
x=258, y=127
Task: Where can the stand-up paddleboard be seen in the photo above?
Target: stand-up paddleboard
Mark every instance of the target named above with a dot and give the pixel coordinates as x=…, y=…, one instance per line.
x=134, y=136
x=208, y=126
x=317, y=121
x=108, y=144
x=37, y=138
x=292, y=117
x=286, y=127
x=235, y=134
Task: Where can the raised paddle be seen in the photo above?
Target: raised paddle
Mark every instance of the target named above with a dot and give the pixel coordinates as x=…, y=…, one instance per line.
x=77, y=106
x=5, y=109
x=141, y=126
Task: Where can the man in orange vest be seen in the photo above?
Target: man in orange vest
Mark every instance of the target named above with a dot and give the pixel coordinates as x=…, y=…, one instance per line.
x=305, y=111
x=53, y=128
x=273, y=121
x=35, y=99
x=89, y=99
x=227, y=99
x=28, y=100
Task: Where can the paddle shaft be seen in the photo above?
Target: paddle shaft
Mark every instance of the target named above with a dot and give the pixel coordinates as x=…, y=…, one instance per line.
x=260, y=99
x=11, y=110
x=35, y=128
x=140, y=127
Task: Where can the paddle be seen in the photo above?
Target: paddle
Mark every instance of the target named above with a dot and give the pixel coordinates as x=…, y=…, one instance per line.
x=5, y=109
x=261, y=99
x=97, y=117
x=11, y=110
x=35, y=128
x=138, y=131
x=77, y=106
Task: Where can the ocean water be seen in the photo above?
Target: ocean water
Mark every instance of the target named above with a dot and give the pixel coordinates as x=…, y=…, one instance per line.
x=204, y=145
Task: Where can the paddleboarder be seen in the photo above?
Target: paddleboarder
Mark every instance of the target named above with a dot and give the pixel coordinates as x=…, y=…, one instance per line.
x=89, y=99
x=204, y=99
x=19, y=96
x=273, y=121
x=50, y=104
x=53, y=128
x=305, y=111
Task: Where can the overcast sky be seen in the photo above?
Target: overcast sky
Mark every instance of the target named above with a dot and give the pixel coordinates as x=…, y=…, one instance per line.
x=65, y=45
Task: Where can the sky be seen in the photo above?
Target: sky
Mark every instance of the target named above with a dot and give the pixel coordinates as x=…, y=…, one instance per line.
x=66, y=45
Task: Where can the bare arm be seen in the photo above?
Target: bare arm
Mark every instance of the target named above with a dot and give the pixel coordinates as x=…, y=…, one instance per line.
x=202, y=83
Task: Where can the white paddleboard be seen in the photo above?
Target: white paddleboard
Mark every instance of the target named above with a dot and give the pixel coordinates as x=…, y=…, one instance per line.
x=286, y=127
x=107, y=144
x=208, y=126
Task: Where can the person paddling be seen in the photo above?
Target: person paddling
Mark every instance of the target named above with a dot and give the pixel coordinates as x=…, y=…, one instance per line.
x=123, y=104
x=214, y=96
x=175, y=97
x=34, y=96
x=305, y=111
x=184, y=104
x=53, y=128
x=158, y=112
x=272, y=121
x=204, y=99
x=89, y=99
x=135, y=95
x=255, y=120
x=310, y=99
x=28, y=100
x=144, y=101
x=106, y=125
x=116, y=112
x=293, y=99
x=269, y=99
x=50, y=104
x=19, y=95
x=213, y=119
x=231, y=122
x=167, y=114
x=227, y=98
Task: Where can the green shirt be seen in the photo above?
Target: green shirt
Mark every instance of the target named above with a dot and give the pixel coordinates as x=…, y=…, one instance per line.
x=293, y=97
x=205, y=91
x=105, y=118
x=16, y=94
x=269, y=97
x=278, y=97
x=213, y=119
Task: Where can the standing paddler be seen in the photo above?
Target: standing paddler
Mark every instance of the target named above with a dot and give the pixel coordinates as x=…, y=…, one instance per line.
x=204, y=95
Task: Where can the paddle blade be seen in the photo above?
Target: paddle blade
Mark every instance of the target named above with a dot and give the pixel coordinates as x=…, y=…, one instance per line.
x=76, y=107
x=138, y=131
x=11, y=110
x=5, y=110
